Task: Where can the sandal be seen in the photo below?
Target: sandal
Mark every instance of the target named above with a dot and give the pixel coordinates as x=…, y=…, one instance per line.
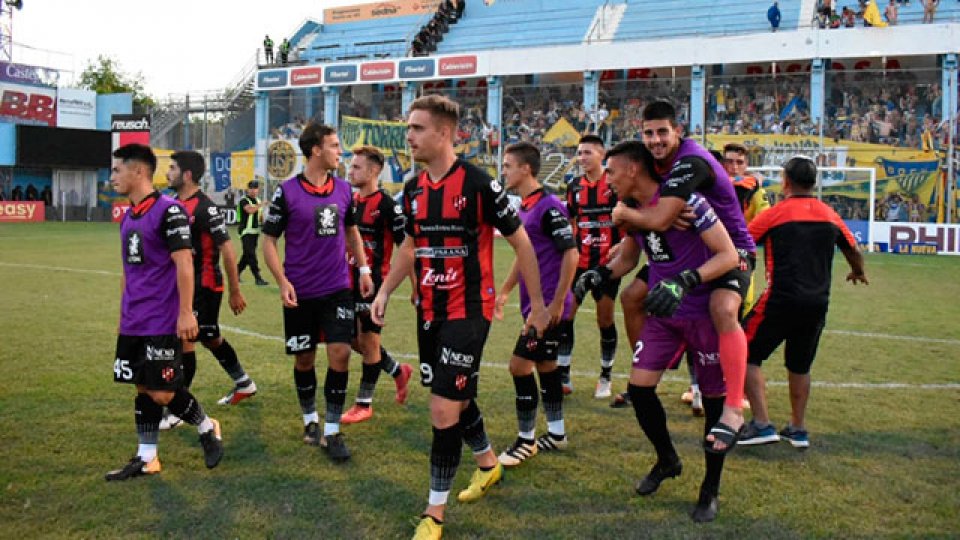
x=723, y=433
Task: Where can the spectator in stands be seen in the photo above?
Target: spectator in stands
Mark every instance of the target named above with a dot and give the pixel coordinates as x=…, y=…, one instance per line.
x=268, y=49
x=460, y=6
x=2, y=196
x=871, y=15
x=16, y=194
x=891, y=13
x=773, y=15
x=46, y=196
x=32, y=193
x=929, y=10
x=284, y=51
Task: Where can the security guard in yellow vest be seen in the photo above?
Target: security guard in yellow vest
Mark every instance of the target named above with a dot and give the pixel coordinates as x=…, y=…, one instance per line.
x=249, y=214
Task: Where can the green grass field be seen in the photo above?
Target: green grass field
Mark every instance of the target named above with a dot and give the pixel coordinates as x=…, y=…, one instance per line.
x=884, y=419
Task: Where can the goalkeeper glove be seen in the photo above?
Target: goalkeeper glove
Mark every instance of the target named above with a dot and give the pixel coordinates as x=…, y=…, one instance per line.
x=666, y=296
x=590, y=280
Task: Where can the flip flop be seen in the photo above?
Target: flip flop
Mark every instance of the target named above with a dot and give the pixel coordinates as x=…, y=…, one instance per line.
x=725, y=434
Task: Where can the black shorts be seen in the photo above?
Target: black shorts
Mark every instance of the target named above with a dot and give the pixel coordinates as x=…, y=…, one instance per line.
x=206, y=307
x=361, y=306
x=152, y=361
x=801, y=329
x=644, y=273
x=327, y=319
x=609, y=288
x=738, y=279
x=540, y=349
x=450, y=353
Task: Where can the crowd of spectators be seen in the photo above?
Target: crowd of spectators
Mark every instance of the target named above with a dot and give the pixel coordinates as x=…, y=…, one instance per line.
x=425, y=41
x=868, y=13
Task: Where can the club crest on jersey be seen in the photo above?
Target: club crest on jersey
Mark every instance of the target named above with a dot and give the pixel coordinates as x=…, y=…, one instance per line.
x=657, y=248
x=495, y=186
x=460, y=202
x=134, y=247
x=326, y=220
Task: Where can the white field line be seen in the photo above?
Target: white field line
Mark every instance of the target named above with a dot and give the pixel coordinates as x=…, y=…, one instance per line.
x=852, y=333
x=667, y=377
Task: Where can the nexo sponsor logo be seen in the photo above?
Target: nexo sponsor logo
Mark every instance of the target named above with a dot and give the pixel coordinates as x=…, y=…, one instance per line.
x=302, y=76
x=458, y=65
x=340, y=74
x=417, y=69
x=377, y=71
x=271, y=79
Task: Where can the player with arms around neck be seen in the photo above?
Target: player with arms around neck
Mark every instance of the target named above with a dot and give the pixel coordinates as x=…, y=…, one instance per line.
x=686, y=260
x=545, y=219
x=451, y=208
x=380, y=221
x=156, y=311
x=314, y=209
x=208, y=231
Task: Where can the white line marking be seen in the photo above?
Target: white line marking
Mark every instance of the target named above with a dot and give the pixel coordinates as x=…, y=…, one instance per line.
x=853, y=333
x=666, y=377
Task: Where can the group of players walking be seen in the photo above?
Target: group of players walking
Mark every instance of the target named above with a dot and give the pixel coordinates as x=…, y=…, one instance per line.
x=348, y=246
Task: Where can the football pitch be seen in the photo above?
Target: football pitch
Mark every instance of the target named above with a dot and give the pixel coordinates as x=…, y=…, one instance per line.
x=884, y=421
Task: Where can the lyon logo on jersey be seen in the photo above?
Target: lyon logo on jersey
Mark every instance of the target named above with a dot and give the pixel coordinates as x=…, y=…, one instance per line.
x=326, y=220
x=134, y=248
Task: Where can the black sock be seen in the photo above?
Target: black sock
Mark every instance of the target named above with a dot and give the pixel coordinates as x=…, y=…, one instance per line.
x=526, y=387
x=551, y=393
x=608, y=350
x=186, y=407
x=306, y=383
x=653, y=420
x=147, y=416
x=368, y=382
x=565, y=348
x=230, y=363
x=189, y=368
x=388, y=364
x=713, y=409
x=445, y=457
x=335, y=394
x=474, y=434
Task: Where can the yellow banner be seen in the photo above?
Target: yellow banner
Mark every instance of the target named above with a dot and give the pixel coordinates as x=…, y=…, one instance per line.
x=241, y=168
x=163, y=165
x=388, y=137
x=562, y=134
x=379, y=10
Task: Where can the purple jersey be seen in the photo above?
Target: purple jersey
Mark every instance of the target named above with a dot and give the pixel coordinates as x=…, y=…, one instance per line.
x=694, y=169
x=315, y=221
x=149, y=233
x=673, y=251
x=548, y=226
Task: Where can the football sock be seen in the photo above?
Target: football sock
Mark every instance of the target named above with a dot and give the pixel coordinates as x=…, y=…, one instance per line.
x=733, y=362
x=551, y=393
x=713, y=408
x=186, y=406
x=474, y=434
x=189, y=368
x=306, y=384
x=335, y=393
x=368, y=383
x=526, y=387
x=147, y=416
x=690, y=368
x=229, y=362
x=565, y=349
x=652, y=419
x=388, y=364
x=608, y=350
x=444, y=460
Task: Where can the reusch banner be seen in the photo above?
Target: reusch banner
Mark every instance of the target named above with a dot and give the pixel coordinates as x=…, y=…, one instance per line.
x=129, y=129
x=22, y=211
x=22, y=104
x=76, y=108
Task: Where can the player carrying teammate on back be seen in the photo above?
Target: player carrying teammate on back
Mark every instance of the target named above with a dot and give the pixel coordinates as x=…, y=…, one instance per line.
x=314, y=209
x=208, y=231
x=590, y=202
x=451, y=208
x=545, y=219
x=155, y=311
x=380, y=222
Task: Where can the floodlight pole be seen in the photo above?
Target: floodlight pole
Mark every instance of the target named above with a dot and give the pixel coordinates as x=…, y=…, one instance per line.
x=6, y=32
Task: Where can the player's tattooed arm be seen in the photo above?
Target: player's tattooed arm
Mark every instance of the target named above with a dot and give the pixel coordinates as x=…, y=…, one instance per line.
x=186, y=321
x=355, y=247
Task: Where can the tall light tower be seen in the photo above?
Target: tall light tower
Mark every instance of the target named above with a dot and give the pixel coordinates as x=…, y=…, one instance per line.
x=6, y=28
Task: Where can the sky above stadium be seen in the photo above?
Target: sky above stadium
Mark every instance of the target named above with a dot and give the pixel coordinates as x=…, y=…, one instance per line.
x=178, y=45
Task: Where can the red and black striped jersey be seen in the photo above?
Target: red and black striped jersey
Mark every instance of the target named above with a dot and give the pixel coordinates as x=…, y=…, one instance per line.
x=451, y=222
x=590, y=205
x=799, y=235
x=208, y=230
x=380, y=222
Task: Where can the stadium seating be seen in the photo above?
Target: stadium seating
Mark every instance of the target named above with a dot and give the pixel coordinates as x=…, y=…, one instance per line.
x=682, y=18
x=380, y=38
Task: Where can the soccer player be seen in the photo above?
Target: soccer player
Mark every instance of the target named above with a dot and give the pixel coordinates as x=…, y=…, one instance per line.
x=208, y=232
x=545, y=219
x=249, y=212
x=590, y=202
x=682, y=263
x=686, y=167
x=451, y=208
x=315, y=211
x=380, y=222
x=799, y=235
x=155, y=311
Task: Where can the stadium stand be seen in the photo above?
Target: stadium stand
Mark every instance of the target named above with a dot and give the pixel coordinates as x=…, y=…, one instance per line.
x=680, y=18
